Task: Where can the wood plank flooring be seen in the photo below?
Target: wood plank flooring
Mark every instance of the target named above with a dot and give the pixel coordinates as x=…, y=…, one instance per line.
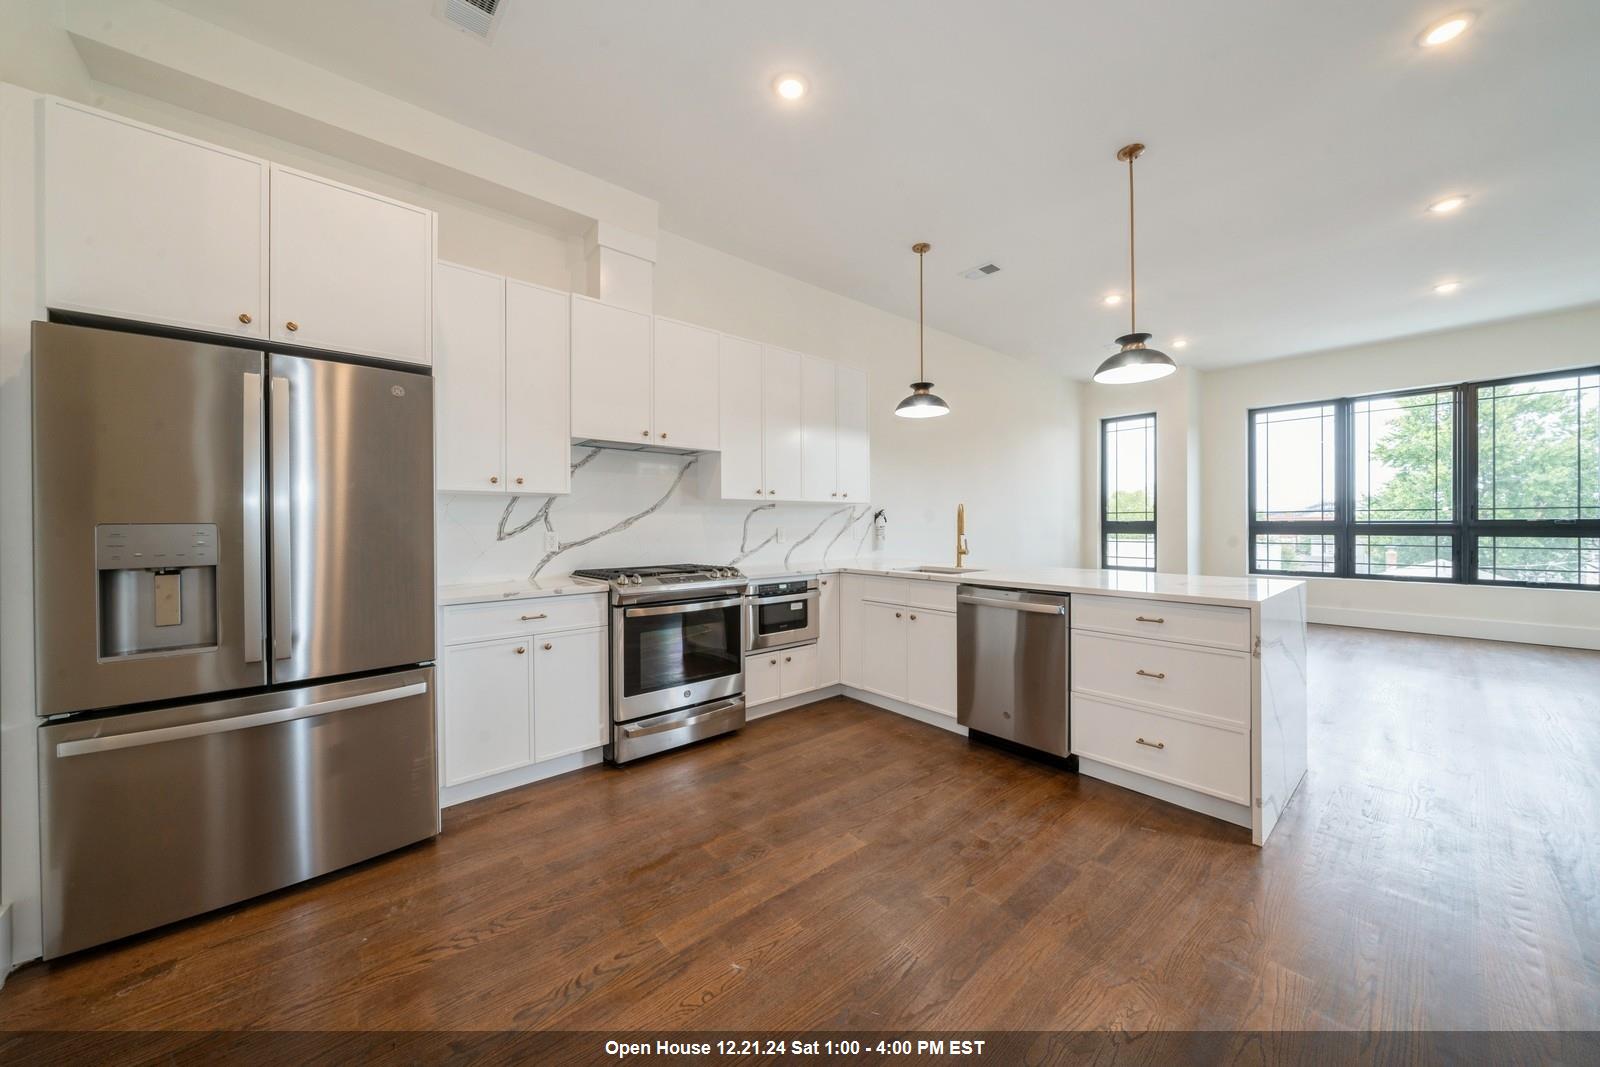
x=840, y=867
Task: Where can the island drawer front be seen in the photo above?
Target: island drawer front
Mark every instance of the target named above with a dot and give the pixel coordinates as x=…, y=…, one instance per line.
x=1209, y=759
x=1206, y=682
x=473, y=622
x=1164, y=620
x=911, y=592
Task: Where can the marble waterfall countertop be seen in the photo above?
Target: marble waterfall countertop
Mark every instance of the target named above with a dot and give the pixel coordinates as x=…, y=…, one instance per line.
x=1191, y=588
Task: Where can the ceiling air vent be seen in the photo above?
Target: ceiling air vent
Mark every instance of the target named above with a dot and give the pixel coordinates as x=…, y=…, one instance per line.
x=476, y=17
x=981, y=271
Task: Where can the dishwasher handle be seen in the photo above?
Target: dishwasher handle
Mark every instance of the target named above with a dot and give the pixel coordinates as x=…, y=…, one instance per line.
x=1013, y=605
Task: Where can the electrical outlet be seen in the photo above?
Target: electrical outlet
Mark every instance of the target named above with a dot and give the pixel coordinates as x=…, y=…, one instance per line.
x=778, y=538
x=551, y=541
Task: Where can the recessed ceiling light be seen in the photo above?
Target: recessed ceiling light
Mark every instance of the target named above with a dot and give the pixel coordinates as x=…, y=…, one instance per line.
x=1446, y=288
x=1180, y=342
x=1446, y=31
x=1112, y=299
x=1447, y=205
x=790, y=86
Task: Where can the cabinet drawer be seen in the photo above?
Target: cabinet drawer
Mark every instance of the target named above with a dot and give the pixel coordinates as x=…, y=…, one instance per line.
x=1164, y=620
x=911, y=592
x=1202, y=681
x=1209, y=759
x=471, y=622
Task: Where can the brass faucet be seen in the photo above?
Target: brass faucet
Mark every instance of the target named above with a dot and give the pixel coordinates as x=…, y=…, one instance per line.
x=961, y=533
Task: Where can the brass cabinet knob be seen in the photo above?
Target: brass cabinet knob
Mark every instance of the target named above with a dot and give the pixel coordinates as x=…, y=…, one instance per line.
x=494, y=479
x=663, y=436
x=823, y=582
x=760, y=491
x=913, y=617
x=897, y=614
x=788, y=659
x=521, y=649
x=773, y=662
x=772, y=492
x=835, y=493
x=291, y=326
x=845, y=495
x=519, y=481
x=644, y=433
x=245, y=318
x=548, y=646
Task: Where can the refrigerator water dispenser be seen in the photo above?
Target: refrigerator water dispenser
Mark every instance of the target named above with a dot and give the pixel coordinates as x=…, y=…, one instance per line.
x=158, y=588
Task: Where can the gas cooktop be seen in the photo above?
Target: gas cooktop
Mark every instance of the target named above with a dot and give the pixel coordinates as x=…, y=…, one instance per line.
x=677, y=579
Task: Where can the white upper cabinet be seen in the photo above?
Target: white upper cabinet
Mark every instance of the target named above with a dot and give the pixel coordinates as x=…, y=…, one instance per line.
x=819, y=451
x=740, y=419
x=146, y=225
x=781, y=426
x=538, y=373
x=686, y=394
x=351, y=271
x=611, y=380
x=470, y=359
x=854, y=445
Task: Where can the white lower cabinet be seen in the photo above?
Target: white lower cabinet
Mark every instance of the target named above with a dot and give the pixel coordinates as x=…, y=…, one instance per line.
x=488, y=692
x=898, y=640
x=883, y=649
x=520, y=699
x=931, y=661
x=1206, y=758
x=828, y=618
x=783, y=672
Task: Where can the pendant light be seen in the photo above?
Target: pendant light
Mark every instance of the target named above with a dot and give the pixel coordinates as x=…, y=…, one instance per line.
x=921, y=404
x=1134, y=362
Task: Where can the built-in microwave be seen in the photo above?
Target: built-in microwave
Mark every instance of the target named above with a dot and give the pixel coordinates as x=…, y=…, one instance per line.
x=781, y=614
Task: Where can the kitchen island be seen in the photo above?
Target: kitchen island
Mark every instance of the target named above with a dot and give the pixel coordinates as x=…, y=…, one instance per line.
x=1188, y=688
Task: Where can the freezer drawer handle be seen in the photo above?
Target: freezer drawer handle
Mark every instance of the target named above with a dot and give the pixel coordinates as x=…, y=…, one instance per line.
x=1014, y=605
x=693, y=720
x=163, y=734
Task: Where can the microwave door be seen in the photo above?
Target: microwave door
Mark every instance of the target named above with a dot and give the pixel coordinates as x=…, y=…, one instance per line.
x=147, y=461
x=350, y=558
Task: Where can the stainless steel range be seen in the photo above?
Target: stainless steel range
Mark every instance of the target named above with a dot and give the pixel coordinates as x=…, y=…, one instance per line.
x=677, y=655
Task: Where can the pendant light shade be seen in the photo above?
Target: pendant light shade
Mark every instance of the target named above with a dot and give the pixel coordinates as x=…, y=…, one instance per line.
x=922, y=403
x=1135, y=361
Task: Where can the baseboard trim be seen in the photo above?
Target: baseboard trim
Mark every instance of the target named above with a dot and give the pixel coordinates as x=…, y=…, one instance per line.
x=800, y=700
x=452, y=795
x=1527, y=633
x=1204, y=803
x=910, y=711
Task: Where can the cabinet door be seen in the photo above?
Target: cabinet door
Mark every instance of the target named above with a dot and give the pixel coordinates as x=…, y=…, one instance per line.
x=828, y=622
x=351, y=271
x=487, y=720
x=931, y=660
x=761, y=678
x=854, y=439
x=469, y=383
x=686, y=393
x=798, y=671
x=782, y=430
x=146, y=225
x=610, y=372
x=739, y=388
x=569, y=693
x=538, y=369
x=819, y=456
x=883, y=649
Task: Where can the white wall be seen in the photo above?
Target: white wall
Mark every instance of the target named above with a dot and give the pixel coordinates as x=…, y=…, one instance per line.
x=1520, y=346
x=1174, y=400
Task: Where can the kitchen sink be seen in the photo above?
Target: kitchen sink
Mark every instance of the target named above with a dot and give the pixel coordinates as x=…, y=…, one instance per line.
x=939, y=570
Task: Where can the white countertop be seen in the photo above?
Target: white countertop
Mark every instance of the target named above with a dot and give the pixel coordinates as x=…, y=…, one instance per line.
x=1193, y=588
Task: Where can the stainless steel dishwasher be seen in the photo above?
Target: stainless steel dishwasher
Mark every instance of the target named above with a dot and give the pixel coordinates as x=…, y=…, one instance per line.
x=1011, y=666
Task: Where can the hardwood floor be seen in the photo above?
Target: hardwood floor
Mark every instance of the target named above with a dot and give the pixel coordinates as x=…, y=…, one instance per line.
x=840, y=867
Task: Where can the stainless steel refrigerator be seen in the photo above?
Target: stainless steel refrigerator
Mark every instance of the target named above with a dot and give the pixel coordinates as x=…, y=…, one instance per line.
x=233, y=595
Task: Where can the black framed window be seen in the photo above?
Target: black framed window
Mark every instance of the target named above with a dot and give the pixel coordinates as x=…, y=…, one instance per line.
x=1484, y=482
x=1128, y=492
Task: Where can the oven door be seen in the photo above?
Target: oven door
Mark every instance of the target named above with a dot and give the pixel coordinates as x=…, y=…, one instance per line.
x=666, y=656
x=781, y=621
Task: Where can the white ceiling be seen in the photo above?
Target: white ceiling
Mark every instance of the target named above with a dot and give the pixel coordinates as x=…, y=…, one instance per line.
x=1293, y=149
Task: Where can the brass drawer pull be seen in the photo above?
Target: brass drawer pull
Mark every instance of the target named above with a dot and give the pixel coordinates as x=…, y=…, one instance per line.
x=1151, y=744
x=531, y=618
x=1141, y=618
x=1141, y=672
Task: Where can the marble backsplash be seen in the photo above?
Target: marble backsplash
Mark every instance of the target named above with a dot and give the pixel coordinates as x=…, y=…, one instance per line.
x=630, y=508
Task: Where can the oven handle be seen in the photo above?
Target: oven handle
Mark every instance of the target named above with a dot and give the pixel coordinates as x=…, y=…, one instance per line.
x=812, y=594
x=694, y=720
x=682, y=609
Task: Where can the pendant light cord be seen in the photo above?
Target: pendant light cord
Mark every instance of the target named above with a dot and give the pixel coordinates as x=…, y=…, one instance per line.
x=1133, y=274
x=922, y=370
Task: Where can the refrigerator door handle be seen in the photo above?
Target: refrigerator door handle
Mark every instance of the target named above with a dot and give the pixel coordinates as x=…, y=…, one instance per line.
x=162, y=734
x=252, y=517
x=282, y=521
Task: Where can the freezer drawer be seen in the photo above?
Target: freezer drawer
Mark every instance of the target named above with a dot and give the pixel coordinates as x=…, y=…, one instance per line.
x=155, y=816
